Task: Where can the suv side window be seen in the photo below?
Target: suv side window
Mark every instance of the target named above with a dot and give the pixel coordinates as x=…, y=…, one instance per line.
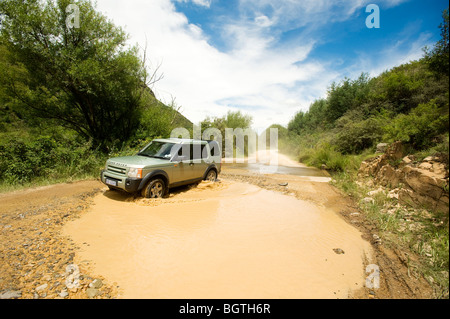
x=194, y=151
x=214, y=146
x=205, y=154
x=185, y=150
x=197, y=151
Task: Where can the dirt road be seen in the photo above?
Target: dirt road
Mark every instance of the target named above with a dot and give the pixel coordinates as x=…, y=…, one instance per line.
x=250, y=235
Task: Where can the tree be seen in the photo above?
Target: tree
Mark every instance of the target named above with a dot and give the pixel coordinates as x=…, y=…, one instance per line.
x=346, y=95
x=233, y=120
x=438, y=57
x=296, y=125
x=82, y=77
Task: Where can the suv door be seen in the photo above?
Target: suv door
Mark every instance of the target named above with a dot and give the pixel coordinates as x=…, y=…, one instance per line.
x=200, y=158
x=185, y=168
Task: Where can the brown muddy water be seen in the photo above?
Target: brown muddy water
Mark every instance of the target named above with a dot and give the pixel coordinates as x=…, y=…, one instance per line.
x=220, y=240
x=263, y=164
x=276, y=169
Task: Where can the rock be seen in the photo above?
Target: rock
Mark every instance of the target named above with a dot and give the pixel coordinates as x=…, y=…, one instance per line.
x=424, y=189
x=92, y=292
x=393, y=193
x=97, y=283
x=381, y=147
x=63, y=294
x=42, y=287
x=440, y=170
x=395, y=151
x=368, y=200
x=420, y=185
x=388, y=176
x=376, y=238
x=284, y=184
x=10, y=294
x=426, y=165
x=359, y=183
x=422, y=182
x=371, y=166
x=407, y=160
x=375, y=192
x=338, y=251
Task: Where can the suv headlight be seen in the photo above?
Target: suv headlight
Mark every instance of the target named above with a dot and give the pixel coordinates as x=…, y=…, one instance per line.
x=135, y=172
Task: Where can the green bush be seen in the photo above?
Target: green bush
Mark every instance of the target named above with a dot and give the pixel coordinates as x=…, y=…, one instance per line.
x=356, y=136
x=25, y=158
x=420, y=127
x=324, y=154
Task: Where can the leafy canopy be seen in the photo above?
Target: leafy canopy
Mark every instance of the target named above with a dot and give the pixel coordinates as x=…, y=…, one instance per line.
x=83, y=78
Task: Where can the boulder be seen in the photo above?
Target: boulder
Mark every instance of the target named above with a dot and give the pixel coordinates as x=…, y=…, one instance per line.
x=395, y=151
x=97, y=283
x=425, y=189
x=92, y=292
x=423, y=184
x=381, y=147
x=389, y=176
x=10, y=294
x=371, y=166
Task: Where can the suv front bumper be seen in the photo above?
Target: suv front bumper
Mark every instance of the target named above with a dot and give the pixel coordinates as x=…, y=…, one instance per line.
x=128, y=184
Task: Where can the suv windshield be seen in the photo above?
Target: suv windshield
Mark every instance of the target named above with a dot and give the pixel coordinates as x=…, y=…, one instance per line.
x=158, y=150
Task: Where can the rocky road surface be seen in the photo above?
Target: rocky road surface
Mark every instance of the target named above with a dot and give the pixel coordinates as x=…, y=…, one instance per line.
x=35, y=260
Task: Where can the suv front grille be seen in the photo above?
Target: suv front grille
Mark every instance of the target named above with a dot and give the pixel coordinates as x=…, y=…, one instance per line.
x=117, y=170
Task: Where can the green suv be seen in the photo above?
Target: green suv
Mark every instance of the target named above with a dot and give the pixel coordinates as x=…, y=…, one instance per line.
x=163, y=164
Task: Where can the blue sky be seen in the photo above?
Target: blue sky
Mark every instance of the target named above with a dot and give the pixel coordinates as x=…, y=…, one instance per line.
x=269, y=58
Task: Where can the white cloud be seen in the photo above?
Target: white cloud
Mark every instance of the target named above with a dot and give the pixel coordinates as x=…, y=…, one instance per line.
x=264, y=21
x=310, y=13
x=256, y=74
x=203, y=3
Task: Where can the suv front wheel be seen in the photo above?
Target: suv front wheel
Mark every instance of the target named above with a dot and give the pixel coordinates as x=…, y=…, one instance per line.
x=156, y=188
x=211, y=176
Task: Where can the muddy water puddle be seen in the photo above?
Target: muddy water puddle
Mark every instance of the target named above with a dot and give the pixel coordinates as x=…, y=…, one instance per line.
x=278, y=169
x=220, y=240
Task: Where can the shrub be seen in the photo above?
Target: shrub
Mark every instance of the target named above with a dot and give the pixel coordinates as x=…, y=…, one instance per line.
x=355, y=137
x=324, y=154
x=25, y=158
x=420, y=127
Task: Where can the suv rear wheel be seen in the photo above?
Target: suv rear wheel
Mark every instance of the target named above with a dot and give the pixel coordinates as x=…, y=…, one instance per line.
x=156, y=188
